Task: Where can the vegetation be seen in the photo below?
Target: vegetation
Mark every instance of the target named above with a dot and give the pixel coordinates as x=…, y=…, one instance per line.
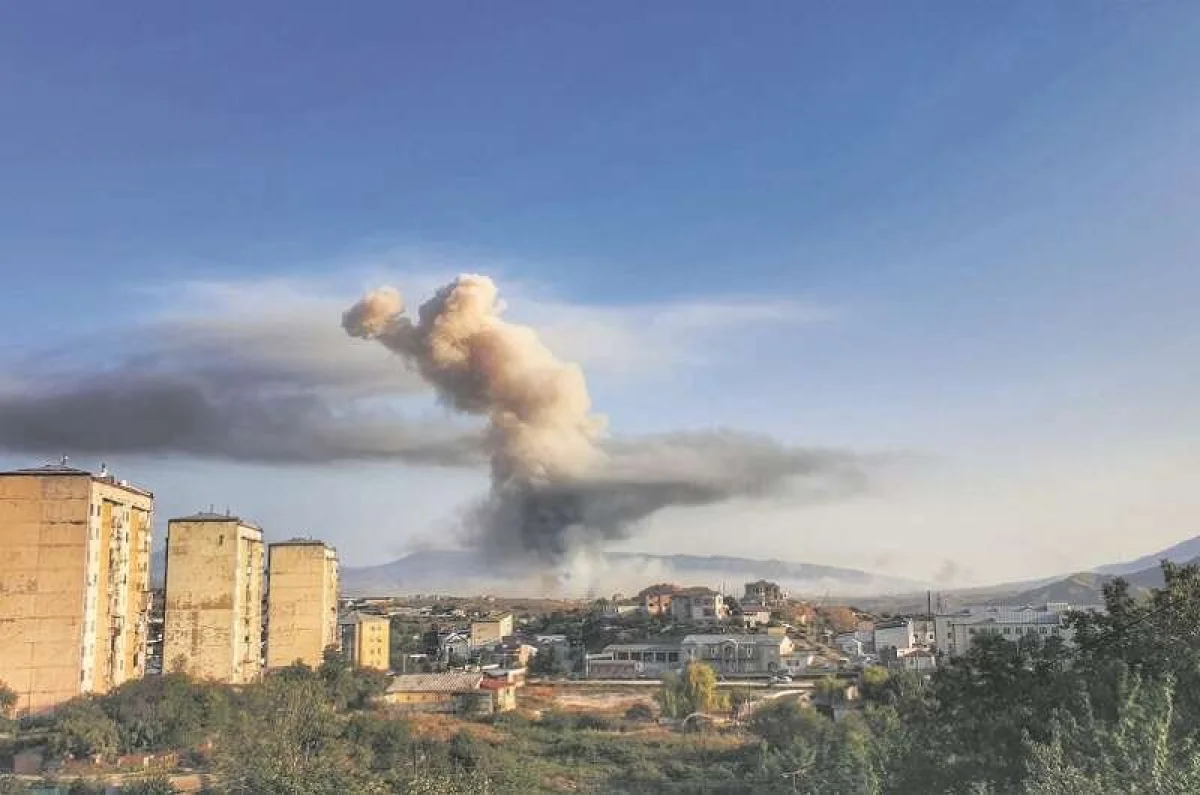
x=1119, y=711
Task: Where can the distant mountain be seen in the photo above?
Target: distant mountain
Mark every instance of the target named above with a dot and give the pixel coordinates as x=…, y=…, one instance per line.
x=1086, y=588
x=1180, y=553
x=462, y=572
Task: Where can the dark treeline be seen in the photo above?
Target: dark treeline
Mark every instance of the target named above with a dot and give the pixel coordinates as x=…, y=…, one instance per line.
x=1117, y=711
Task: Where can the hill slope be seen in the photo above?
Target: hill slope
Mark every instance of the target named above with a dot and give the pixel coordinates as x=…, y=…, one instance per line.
x=1180, y=553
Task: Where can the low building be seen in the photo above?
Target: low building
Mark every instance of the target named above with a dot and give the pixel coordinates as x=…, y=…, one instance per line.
x=764, y=592
x=612, y=609
x=491, y=630
x=652, y=659
x=510, y=654
x=850, y=646
x=366, y=640
x=957, y=631
x=454, y=648
x=754, y=616
x=895, y=634
x=456, y=692
x=798, y=662
x=698, y=605
x=749, y=654
x=919, y=661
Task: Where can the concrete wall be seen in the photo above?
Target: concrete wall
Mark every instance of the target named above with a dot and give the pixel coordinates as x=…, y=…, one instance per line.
x=301, y=603
x=213, y=612
x=73, y=596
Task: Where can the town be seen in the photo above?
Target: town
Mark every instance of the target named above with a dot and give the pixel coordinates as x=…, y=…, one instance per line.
x=82, y=616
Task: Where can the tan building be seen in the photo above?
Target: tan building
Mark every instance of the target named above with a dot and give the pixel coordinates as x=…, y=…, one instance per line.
x=74, y=583
x=366, y=640
x=212, y=624
x=302, y=597
x=491, y=630
x=452, y=692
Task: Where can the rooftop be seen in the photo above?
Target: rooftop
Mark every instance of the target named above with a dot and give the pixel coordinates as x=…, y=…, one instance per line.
x=768, y=640
x=301, y=542
x=211, y=516
x=449, y=682
x=357, y=617
x=65, y=470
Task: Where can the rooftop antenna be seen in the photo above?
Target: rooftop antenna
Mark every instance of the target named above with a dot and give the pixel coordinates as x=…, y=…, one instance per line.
x=64, y=460
x=103, y=469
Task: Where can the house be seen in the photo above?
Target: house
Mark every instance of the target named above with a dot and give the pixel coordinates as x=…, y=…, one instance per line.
x=612, y=608
x=895, y=634
x=918, y=660
x=454, y=647
x=656, y=600
x=765, y=593
x=510, y=654
x=455, y=692
x=698, y=605
x=652, y=659
x=754, y=654
x=754, y=616
x=491, y=629
x=798, y=662
x=850, y=646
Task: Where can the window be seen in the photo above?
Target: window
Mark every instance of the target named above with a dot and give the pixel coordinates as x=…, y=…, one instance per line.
x=1008, y=630
x=1044, y=630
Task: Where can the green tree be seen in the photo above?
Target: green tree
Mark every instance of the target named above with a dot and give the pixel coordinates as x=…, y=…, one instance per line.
x=81, y=728
x=695, y=690
x=286, y=739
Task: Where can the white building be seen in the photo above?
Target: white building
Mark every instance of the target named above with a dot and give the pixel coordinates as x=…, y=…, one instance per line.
x=957, y=631
x=896, y=634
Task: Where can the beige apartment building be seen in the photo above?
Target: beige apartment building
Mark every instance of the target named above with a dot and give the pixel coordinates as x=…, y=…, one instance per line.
x=74, y=583
x=302, y=596
x=212, y=623
x=366, y=640
x=491, y=630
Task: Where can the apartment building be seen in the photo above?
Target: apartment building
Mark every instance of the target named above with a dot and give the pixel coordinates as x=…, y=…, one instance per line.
x=699, y=605
x=956, y=631
x=302, y=598
x=366, y=640
x=491, y=630
x=74, y=583
x=213, y=614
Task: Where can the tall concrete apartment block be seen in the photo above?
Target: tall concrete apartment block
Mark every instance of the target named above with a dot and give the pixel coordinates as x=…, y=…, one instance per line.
x=212, y=622
x=302, y=597
x=74, y=583
x=366, y=640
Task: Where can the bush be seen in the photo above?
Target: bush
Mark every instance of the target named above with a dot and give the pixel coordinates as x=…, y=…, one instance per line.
x=640, y=711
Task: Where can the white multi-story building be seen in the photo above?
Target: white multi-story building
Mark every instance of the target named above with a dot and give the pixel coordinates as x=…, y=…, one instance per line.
x=957, y=631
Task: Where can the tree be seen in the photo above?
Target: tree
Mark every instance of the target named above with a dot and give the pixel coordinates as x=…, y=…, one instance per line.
x=8, y=701
x=695, y=690
x=286, y=739
x=545, y=662
x=81, y=728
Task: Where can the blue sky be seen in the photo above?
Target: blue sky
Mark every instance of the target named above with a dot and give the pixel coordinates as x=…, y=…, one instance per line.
x=980, y=218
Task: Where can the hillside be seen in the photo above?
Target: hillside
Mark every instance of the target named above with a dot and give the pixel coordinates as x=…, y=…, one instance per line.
x=1179, y=553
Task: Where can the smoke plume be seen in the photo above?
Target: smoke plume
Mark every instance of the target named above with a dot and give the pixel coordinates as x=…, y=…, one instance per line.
x=555, y=489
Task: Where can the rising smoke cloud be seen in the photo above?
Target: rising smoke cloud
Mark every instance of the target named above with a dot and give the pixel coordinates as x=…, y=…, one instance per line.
x=555, y=488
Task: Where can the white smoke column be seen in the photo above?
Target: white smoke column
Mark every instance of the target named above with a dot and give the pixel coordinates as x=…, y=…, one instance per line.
x=541, y=432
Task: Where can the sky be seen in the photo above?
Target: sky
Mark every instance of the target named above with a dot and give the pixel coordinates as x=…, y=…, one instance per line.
x=957, y=240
